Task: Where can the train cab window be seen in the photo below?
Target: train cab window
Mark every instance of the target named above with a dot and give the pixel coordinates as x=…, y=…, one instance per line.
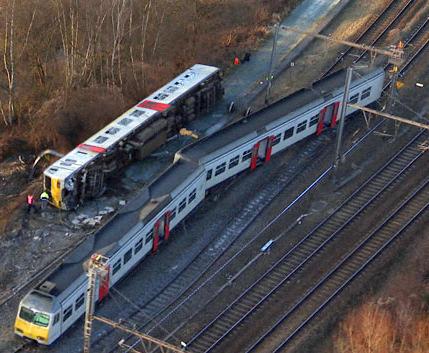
x=276, y=140
x=116, y=266
x=67, y=313
x=56, y=319
x=246, y=155
x=220, y=168
x=182, y=205
x=192, y=195
x=301, y=126
x=209, y=174
x=233, y=162
x=366, y=93
x=354, y=99
x=149, y=237
x=128, y=255
x=138, y=246
x=314, y=120
x=79, y=301
x=288, y=133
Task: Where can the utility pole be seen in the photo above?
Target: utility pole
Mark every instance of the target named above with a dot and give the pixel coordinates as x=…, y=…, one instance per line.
x=97, y=268
x=270, y=71
x=339, y=158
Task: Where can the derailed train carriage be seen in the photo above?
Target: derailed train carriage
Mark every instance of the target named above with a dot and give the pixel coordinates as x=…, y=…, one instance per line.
x=82, y=173
x=146, y=221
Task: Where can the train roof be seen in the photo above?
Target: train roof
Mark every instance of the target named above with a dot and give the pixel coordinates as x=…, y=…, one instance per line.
x=138, y=211
x=258, y=122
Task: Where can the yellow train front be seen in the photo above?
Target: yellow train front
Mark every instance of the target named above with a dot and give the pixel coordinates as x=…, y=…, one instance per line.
x=38, y=318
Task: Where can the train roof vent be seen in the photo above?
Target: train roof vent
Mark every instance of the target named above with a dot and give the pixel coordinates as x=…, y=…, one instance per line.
x=47, y=287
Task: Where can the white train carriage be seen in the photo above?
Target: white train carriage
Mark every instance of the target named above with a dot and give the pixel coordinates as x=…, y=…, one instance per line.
x=81, y=173
x=138, y=229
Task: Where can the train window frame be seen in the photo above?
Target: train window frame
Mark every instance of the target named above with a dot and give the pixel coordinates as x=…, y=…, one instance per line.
x=116, y=267
x=148, y=237
x=233, y=162
x=79, y=301
x=128, y=255
x=354, y=99
x=182, y=205
x=288, y=133
x=209, y=174
x=276, y=139
x=173, y=214
x=314, y=120
x=247, y=155
x=56, y=319
x=220, y=169
x=302, y=126
x=138, y=246
x=67, y=313
x=192, y=195
x=365, y=93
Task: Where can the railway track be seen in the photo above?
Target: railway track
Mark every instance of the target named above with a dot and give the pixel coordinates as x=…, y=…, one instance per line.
x=419, y=33
x=386, y=19
x=304, y=251
x=340, y=276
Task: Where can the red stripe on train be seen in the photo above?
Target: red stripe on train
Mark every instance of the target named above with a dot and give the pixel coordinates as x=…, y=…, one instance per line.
x=159, y=107
x=92, y=148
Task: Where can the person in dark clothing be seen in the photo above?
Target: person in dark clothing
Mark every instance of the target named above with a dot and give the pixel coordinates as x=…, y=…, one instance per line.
x=246, y=57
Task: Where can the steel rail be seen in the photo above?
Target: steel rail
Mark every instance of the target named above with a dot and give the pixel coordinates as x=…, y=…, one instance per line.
x=368, y=30
x=307, y=248
x=375, y=236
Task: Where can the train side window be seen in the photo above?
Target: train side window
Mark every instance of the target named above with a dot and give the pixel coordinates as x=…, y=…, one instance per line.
x=113, y=130
x=100, y=139
x=301, y=126
x=116, y=266
x=137, y=113
x=276, y=140
x=182, y=205
x=56, y=318
x=124, y=121
x=209, y=174
x=233, y=162
x=173, y=214
x=354, y=99
x=220, y=168
x=314, y=120
x=79, y=301
x=192, y=195
x=67, y=313
x=366, y=93
x=138, y=246
x=288, y=133
x=247, y=155
x=149, y=237
x=128, y=255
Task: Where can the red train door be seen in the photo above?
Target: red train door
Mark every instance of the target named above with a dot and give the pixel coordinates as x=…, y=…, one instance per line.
x=262, y=151
x=161, y=231
x=328, y=117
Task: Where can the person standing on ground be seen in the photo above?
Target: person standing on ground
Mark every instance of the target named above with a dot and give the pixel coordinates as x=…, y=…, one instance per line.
x=44, y=198
x=30, y=203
